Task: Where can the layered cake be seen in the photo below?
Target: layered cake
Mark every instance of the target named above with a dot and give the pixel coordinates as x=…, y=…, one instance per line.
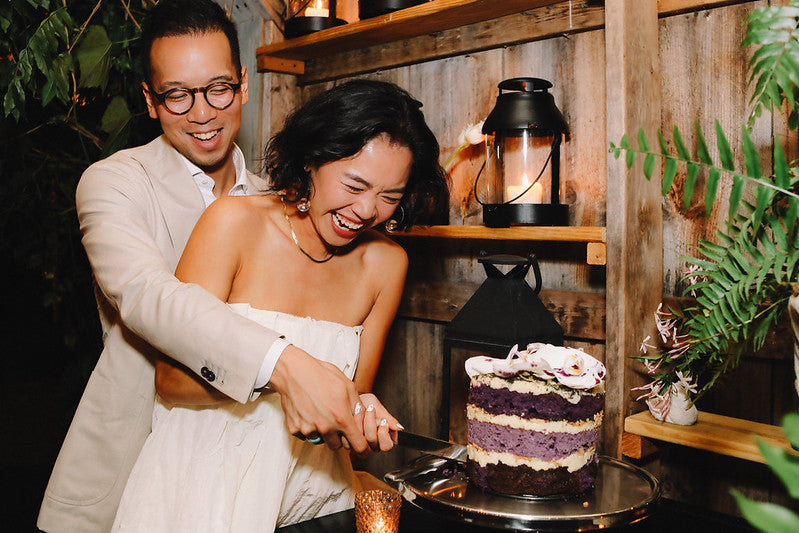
x=533, y=421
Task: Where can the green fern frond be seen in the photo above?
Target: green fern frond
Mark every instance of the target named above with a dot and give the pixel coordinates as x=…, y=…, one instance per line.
x=773, y=67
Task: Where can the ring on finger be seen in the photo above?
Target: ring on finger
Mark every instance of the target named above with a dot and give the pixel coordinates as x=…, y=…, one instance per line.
x=315, y=438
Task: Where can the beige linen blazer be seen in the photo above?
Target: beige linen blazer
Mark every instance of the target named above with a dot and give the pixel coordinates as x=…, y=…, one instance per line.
x=136, y=210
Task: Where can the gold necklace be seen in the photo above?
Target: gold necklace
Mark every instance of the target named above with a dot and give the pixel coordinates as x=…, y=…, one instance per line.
x=294, y=238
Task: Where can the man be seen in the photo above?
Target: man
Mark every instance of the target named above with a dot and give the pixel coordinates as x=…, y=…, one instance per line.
x=136, y=211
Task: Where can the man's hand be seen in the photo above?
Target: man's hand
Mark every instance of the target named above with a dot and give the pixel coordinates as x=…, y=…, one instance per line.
x=317, y=398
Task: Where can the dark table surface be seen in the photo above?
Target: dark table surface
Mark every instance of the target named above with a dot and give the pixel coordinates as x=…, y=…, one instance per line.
x=667, y=516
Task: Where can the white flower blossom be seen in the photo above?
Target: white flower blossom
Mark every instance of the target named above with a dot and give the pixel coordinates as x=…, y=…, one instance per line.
x=472, y=134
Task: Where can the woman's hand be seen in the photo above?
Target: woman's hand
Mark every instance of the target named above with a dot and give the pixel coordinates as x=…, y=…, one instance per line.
x=379, y=426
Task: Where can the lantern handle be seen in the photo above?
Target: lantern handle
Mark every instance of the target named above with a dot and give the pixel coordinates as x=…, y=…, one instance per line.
x=519, y=271
x=536, y=272
x=555, y=143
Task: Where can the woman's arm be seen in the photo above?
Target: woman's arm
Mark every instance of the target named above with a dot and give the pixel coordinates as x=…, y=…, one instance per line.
x=211, y=259
x=387, y=273
x=389, y=279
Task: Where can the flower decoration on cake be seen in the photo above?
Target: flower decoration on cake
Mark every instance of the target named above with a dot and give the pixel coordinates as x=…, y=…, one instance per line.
x=570, y=367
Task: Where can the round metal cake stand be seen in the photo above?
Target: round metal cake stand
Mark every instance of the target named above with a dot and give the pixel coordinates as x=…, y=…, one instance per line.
x=623, y=495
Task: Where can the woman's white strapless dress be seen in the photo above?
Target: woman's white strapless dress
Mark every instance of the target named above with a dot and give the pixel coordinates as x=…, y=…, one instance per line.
x=234, y=467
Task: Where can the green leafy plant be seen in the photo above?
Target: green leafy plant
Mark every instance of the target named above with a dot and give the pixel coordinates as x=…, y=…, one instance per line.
x=768, y=516
x=70, y=90
x=740, y=284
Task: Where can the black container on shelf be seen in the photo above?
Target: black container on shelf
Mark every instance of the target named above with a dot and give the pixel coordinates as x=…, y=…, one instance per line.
x=298, y=26
x=375, y=8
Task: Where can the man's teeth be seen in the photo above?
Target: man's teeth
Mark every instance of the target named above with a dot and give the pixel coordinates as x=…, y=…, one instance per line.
x=345, y=224
x=205, y=136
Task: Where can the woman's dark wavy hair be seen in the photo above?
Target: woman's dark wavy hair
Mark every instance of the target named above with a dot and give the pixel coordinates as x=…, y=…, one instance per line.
x=337, y=123
x=170, y=18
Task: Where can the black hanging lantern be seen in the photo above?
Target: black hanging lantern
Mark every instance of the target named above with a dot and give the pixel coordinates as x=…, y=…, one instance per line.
x=308, y=16
x=521, y=182
x=503, y=311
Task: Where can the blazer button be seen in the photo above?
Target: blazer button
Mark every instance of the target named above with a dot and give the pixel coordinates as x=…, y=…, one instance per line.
x=207, y=374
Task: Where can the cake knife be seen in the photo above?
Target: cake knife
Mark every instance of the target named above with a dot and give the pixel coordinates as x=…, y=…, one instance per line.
x=439, y=448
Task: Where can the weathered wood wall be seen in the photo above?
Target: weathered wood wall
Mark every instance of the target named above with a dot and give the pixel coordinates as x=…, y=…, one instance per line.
x=702, y=76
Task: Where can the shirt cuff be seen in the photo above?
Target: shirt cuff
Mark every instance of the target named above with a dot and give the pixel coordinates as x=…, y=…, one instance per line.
x=268, y=366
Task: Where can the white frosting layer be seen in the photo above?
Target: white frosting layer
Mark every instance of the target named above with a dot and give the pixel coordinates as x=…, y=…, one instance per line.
x=571, y=367
x=573, y=462
x=534, y=424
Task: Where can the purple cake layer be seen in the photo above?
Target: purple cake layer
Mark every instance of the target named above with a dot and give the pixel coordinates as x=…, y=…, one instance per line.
x=521, y=480
x=524, y=443
x=548, y=406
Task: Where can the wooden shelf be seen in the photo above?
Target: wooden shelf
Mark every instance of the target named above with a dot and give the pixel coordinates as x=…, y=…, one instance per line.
x=593, y=236
x=715, y=433
x=429, y=17
x=517, y=233
x=439, y=28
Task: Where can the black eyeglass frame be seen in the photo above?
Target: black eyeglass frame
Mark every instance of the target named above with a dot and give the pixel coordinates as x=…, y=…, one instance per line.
x=162, y=96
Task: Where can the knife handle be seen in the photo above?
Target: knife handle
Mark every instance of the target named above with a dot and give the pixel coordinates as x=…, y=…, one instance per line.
x=421, y=465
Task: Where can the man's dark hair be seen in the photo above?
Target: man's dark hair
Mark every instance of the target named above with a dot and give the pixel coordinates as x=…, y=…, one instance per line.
x=337, y=124
x=170, y=18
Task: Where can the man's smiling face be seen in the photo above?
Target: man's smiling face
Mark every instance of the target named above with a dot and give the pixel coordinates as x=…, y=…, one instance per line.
x=204, y=135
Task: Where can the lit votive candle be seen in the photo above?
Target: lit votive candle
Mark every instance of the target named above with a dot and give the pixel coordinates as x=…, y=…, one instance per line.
x=534, y=196
x=377, y=511
x=317, y=11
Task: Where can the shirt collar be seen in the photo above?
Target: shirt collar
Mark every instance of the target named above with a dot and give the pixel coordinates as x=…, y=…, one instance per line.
x=240, y=187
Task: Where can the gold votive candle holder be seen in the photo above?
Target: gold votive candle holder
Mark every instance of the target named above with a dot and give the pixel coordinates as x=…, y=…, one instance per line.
x=377, y=511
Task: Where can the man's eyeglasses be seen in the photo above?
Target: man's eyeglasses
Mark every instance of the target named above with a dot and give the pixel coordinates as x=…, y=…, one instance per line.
x=179, y=101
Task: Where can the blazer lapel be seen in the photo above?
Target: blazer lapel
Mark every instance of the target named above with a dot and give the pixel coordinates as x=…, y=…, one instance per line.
x=180, y=201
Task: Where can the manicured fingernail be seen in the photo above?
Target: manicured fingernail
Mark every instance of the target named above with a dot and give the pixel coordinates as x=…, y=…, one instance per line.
x=358, y=408
x=400, y=426
x=371, y=407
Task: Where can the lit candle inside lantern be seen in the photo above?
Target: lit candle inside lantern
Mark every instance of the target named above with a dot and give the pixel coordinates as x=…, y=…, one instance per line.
x=317, y=11
x=534, y=196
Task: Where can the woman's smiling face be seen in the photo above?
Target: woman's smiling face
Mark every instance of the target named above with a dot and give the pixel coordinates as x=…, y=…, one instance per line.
x=351, y=195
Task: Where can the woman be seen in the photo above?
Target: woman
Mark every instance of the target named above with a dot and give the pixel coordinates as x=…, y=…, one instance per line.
x=304, y=261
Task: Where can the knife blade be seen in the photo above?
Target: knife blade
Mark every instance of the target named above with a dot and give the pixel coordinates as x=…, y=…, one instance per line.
x=439, y=448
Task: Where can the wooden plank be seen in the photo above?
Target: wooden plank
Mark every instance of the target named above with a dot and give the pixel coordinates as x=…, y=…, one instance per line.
x=674, y=7
x=348, y=51
x=635, y=229
x=530, y=25
x=716, y=433
x=580, y=314
x=596, y=253
x=516, y=233
x=281, y=65
x=427, y=17
x=276, y=10
x=636, y=447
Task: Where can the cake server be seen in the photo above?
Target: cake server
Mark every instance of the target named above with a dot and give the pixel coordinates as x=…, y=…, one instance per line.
x=439, y=448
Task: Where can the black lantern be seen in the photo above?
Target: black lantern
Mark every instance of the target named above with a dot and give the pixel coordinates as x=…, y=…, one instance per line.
x=308, y=16
x=503, y=311
x=521, y=182
x=375, y=8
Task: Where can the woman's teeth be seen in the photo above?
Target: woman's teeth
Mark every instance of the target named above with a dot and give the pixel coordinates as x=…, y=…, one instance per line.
x=345, y=224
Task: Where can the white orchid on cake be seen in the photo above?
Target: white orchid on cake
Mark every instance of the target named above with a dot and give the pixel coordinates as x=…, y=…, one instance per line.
x=570, y=367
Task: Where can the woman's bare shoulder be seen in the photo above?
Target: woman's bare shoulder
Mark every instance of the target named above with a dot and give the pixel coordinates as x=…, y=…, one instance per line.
x=382, y=254
x=232, y=212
